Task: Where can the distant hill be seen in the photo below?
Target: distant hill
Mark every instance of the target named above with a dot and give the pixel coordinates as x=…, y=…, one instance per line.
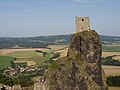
x=44, y=41
x=109, y=38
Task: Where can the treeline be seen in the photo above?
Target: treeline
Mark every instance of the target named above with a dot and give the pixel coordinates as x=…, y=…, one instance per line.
x=109, y=38
x=7, y=81
x=43, y=41
x=34, y=42
x=113, y=81
x=44, y=53
x=24, y=81
x=110, y=61
x=21, y=42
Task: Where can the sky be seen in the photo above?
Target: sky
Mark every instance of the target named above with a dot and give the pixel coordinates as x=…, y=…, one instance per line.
x=27, y=18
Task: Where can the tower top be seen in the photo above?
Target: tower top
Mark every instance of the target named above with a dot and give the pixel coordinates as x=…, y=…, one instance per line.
x=82, y=23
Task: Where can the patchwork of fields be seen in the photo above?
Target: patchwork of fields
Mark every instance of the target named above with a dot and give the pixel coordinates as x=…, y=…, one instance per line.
x=31, y=57
x=35, y=58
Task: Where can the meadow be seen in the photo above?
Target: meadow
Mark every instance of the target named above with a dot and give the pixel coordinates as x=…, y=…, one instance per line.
x=111, y=48
x=25, y=55
x=5, y=61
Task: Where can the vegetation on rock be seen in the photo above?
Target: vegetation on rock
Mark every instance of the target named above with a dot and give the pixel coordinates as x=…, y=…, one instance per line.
x=81, y=69
x=113, y=81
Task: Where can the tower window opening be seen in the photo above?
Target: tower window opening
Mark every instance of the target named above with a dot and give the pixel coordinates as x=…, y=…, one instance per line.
x=82, y=19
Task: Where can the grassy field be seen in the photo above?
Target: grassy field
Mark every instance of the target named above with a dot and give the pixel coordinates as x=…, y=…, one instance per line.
x=5, y=61
x=107, y=48
x=26, y=55
x=7, y=51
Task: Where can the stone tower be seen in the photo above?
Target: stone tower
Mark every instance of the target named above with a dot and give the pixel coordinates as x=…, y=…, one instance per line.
x=82, y=23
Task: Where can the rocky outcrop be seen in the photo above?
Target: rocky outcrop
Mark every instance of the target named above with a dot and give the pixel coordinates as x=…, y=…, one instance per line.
x=81, y=69
x=39, y=86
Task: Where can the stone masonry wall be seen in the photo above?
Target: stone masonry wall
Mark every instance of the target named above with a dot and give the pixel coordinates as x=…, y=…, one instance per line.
x=82, y=23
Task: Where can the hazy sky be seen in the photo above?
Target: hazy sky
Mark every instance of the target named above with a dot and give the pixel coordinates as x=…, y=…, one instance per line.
x=51, y=17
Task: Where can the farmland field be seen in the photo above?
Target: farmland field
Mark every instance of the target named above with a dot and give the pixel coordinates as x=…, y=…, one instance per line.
x=57, y=47
x=5, y=61
x=114, y=88
x=30, y=55
x=7, y=51
x=29, y=63
x=111, y=70
x=106, y=54
x=25, y=55
x=111, y=48
x=62, y=52
x=115, y=55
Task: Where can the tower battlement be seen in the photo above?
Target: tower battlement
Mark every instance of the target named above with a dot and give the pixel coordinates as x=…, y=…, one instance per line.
x=82, y=23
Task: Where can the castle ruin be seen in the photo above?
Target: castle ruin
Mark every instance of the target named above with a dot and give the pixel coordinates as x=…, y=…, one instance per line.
x=82, y=23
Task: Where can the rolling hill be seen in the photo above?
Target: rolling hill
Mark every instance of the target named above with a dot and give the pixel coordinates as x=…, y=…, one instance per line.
x=44, y=41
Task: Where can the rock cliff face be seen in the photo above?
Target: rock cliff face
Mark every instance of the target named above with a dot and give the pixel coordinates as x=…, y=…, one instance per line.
x=81, y=68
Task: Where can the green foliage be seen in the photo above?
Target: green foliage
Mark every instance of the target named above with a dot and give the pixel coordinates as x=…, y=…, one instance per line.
x=55, y=55
x=44, y=54
x=25, y=81
x=22, y=80
x=5, y=61
x=55, y=66
x=110, y=61
x=6, y=80
x=12, y=64
x=113, y=81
